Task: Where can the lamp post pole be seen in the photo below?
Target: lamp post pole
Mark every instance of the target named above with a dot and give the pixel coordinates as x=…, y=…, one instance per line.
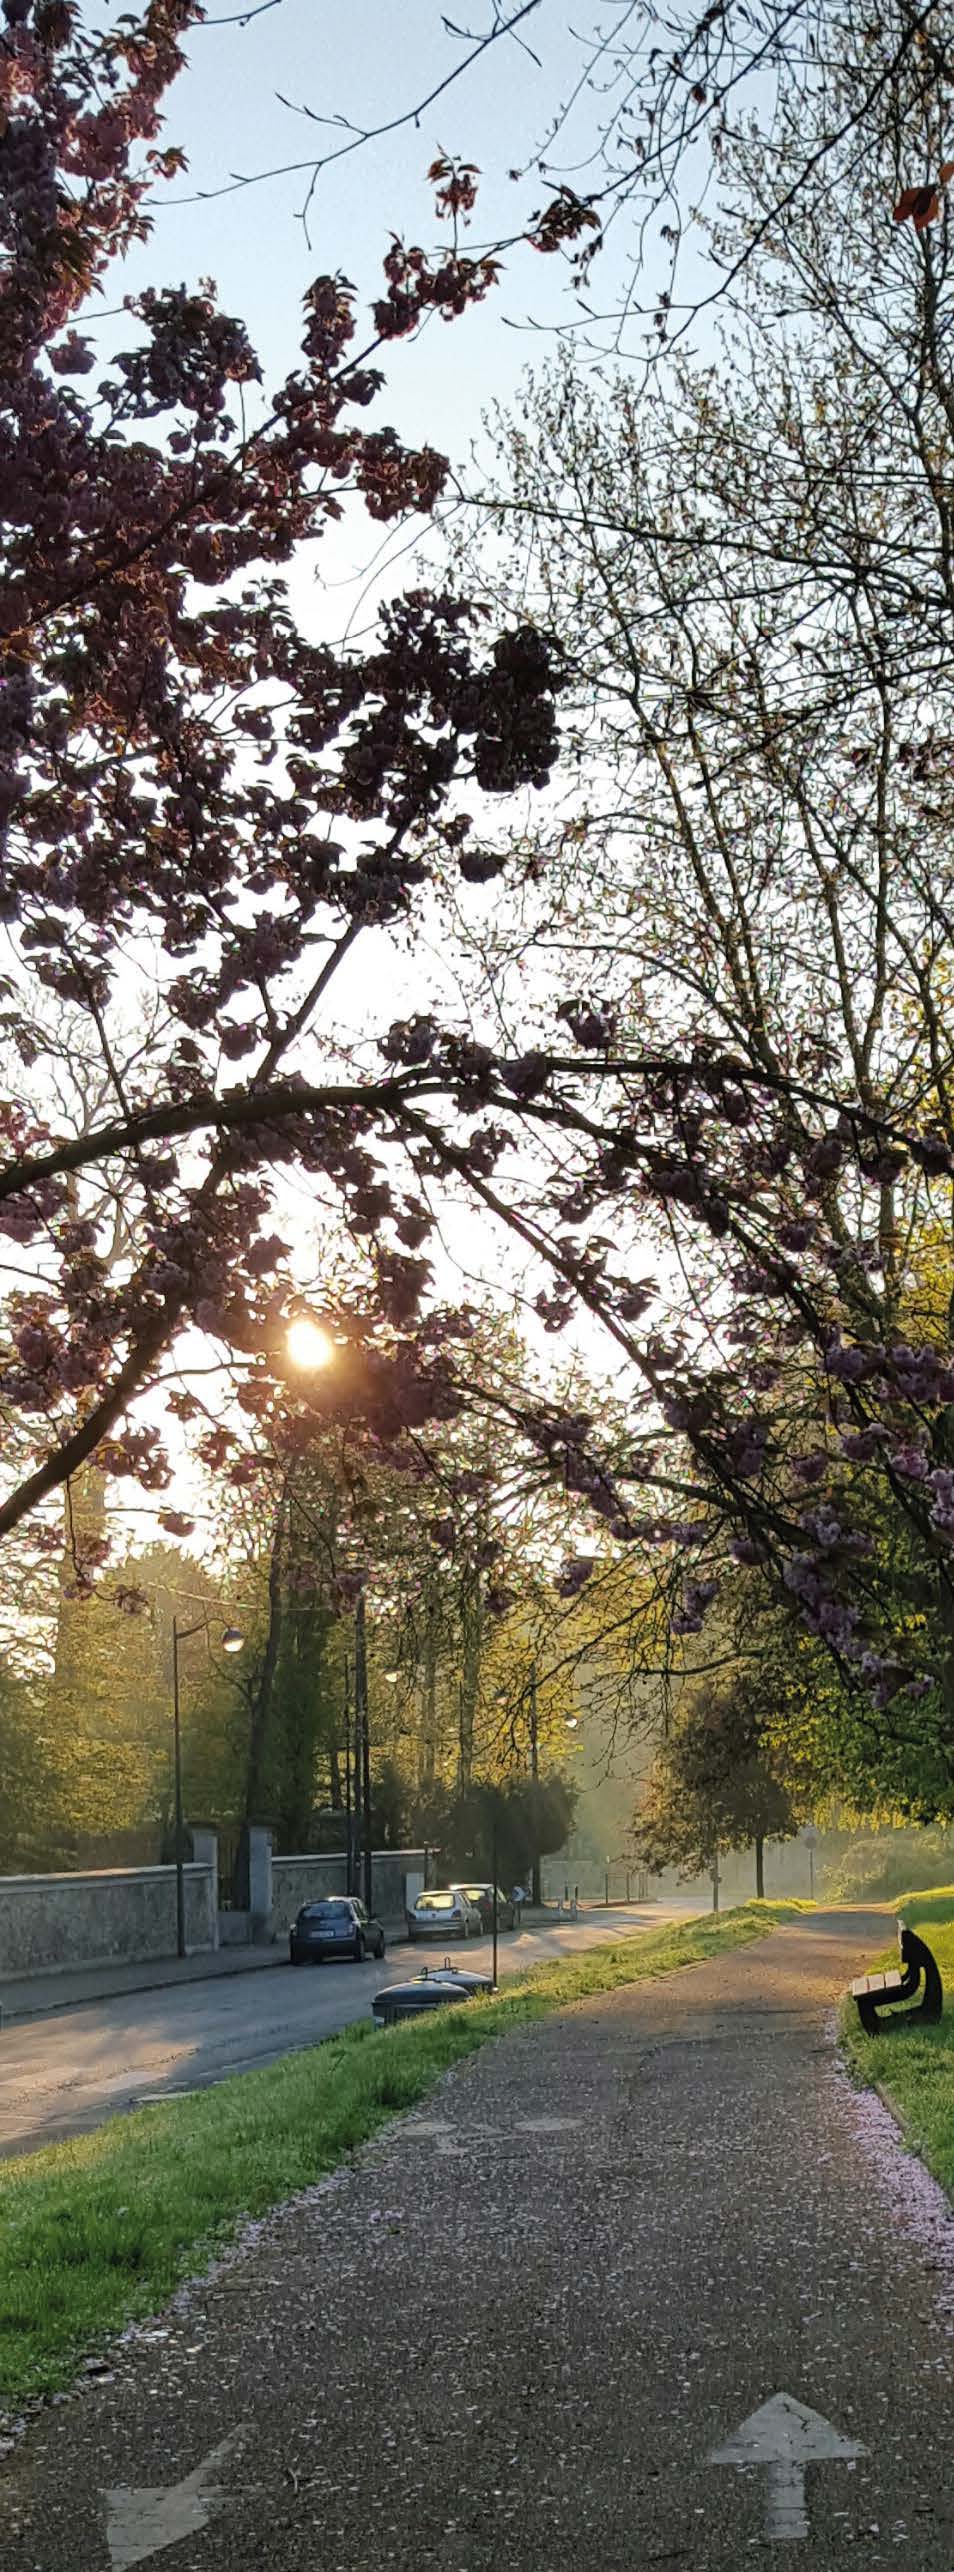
x=534, y=1772
x=493, y=1870
x=347, y=1778
x=178, y=1636
x=362, y=1743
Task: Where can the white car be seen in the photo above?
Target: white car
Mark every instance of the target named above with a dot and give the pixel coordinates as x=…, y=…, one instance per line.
x=444, y=1914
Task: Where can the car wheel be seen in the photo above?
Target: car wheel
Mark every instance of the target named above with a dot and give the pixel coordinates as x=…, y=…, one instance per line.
x=359, y=1949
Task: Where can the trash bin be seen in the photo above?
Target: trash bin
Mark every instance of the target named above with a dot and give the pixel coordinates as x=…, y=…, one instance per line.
x=432, y=1988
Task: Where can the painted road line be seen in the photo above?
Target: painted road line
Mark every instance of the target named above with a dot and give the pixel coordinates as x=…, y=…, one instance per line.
x=143, y=2521
x=781, y=2439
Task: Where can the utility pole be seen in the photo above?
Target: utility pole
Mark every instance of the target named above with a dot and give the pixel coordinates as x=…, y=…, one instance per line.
x=177, y=1761
x=349, y=1888
x=362, y=1744
x=356, y=1827
x=534, y=1772
x=494, y=1863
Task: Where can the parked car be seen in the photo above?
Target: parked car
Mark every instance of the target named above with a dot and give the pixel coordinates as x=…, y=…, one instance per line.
x=339, y=1926
x=482, y=1897
x=446, y=1913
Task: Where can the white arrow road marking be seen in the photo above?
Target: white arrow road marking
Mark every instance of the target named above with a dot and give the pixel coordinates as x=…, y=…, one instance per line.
x=782, y=2438
x=142, y=2521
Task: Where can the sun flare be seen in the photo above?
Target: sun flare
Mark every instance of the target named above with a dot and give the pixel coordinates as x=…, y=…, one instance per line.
x=307, y=1344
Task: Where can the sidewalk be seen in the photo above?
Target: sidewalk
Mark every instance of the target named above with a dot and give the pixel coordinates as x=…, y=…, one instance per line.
x=41, y=1995
x=554, y=2295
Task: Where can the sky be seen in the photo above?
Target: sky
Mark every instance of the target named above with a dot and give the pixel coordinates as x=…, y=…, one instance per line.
x=370, y=62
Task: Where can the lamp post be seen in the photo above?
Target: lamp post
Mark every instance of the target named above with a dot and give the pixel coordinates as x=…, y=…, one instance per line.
x=349, y=1888
x=232, y=1641
x=494, y=1863
x=362, y=1741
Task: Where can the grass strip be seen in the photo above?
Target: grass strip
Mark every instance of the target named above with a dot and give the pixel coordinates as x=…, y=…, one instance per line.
x=913, y=2067
x=99, y=2231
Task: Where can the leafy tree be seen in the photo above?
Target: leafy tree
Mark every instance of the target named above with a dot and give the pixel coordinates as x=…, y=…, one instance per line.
x=532, y=1818
x=715, y=1786
x=754, y=768
x=107, y=1704
x=31, y=1821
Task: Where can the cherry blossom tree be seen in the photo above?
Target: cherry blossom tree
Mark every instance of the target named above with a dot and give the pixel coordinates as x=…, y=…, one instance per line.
x=203, y=809
x=207, y=805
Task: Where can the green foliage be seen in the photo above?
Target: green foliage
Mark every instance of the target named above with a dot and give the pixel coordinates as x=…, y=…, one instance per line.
x=304, y=1719
x=29, y=1803
x=716, y=1785
x=878, y=1869
x=915, y=1908
x=532, y=1817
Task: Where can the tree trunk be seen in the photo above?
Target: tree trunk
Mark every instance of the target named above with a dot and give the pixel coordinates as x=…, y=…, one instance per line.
x=262, y=1700
x=535, y=1895
x=471, y=1620
x=428, y=1750
x=759, y=1869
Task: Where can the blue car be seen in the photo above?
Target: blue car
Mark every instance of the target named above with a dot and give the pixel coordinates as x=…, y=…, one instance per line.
x=339, y=1926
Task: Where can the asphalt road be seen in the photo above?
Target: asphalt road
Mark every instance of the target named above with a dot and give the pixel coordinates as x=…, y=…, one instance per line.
x=526, y=2324
x=60, y=2076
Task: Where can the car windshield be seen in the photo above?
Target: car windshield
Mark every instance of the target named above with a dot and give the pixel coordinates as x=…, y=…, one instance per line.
x=435, y=1902
x=472, y=1892
x=334, y=1910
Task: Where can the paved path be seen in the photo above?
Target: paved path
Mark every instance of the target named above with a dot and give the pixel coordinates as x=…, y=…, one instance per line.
x=518, y=2327
x=62, y=2075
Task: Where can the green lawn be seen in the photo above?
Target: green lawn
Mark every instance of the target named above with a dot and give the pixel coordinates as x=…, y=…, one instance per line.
x=100, y=2231
x=914, y=2067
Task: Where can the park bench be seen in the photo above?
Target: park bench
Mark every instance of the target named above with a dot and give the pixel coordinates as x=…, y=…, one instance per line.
x=877, y=1995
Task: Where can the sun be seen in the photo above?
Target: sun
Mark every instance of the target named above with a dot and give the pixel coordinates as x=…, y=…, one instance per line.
x=307, y=1344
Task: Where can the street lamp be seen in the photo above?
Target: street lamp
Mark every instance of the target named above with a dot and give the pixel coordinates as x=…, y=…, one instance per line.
x=232, y=1641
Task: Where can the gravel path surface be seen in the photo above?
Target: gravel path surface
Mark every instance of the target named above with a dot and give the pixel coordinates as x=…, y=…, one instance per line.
x=515, y=2329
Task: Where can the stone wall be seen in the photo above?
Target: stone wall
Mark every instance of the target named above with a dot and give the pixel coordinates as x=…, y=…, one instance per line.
x=298, y=1880
x=121, y=1915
